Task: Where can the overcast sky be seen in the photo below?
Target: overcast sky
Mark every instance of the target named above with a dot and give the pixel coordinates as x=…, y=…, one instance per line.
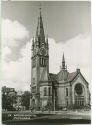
x=68, y=26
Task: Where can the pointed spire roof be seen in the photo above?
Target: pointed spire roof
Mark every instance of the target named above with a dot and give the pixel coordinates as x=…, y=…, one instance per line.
x=63, y=59
x=63, y=62
x=40, y=29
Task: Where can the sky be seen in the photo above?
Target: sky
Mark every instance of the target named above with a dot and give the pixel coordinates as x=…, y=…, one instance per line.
x=68, y=26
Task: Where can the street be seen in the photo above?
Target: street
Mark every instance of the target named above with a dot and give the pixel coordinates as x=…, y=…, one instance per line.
x=79, y=117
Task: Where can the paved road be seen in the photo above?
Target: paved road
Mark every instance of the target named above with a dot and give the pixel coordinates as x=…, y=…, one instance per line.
x=49, y=122
x=59, y=117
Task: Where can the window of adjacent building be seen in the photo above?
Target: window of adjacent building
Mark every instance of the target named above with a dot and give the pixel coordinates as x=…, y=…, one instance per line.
x=45, y=91
x=66, y=91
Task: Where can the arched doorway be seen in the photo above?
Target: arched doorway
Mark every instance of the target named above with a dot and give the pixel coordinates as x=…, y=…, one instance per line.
x=79, y=95
x=33, y=104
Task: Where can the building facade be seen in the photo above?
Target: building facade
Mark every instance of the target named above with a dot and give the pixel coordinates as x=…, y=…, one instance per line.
x=8, y=91
x=8, y=98
x=55, y=91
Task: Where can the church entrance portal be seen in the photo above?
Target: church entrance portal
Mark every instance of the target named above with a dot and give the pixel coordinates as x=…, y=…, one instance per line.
x=33, y=103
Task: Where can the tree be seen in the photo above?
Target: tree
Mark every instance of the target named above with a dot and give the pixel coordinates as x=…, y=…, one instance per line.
x=4, y=101
x=25, y=99
x=8, y=101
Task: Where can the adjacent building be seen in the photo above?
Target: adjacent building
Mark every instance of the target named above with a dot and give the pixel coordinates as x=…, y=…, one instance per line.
x=8, y=91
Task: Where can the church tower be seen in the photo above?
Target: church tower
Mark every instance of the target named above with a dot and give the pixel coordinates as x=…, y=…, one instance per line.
x=40, y=63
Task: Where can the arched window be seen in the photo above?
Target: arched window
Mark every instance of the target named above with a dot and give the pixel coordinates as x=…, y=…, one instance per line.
x=33, y=80
x=33, y=63
x=43, y=62
x=40, y=61
x=50, y=91
x=78, y=89
x=45, y=91
x=66, y=91
x=33, y=103
x=67, y=102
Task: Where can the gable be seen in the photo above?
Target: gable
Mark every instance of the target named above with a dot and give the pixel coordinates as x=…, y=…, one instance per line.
x=80, y=79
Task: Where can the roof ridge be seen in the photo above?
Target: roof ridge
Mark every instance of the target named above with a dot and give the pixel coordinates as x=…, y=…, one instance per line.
x=52, y=73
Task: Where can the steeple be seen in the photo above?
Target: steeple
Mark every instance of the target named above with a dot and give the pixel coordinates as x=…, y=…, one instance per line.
x=40, y=29
x=63, y=62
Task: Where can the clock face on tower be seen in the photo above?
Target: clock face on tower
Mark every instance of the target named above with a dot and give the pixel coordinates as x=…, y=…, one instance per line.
x=42, y=51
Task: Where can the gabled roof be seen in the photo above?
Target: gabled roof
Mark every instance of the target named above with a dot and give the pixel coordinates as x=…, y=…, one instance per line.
x=83, y=78
x=72, y=75
x=52, y=77
x=63, y=76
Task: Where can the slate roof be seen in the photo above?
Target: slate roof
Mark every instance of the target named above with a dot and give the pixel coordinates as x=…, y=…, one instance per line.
x=52, y=77
x=72, y=75
x=63, y=76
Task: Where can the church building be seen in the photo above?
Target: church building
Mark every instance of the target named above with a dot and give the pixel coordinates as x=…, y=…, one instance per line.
x=54, y=91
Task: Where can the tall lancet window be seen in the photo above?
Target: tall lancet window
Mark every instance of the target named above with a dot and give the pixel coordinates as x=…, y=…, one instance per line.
x=66, y=91
x=45, y=91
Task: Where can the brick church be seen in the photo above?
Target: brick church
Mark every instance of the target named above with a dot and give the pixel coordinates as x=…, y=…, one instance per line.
x=54, y=91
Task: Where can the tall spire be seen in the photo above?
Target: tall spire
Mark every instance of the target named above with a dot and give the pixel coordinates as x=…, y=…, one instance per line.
x=63, y=62
x=40, y=29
